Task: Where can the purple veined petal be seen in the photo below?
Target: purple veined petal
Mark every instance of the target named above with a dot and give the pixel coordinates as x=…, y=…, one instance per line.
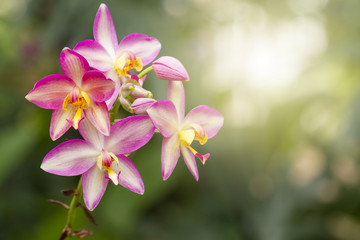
x=190, y=162
x=143, y=46
x=59, y=124
x=113, y=76
x=176, y=94
x=208, y=118
x=140, y=105
x=169, y=68
x=51, y=91
x=73, y=65
x=129, y=175
x=104, y=30
x=70, y=158
x=94, y=185
x=164, y=116
x=97, y=86
x=95, y=54
x=129, y=134
x=170, y=153
x=91, y=134
x=97, y=113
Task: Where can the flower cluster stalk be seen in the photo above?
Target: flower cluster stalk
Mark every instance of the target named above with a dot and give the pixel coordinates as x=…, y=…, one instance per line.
x=75, y=202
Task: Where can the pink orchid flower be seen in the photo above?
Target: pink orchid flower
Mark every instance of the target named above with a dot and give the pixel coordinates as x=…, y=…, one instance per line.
x=116, y=60
x=100, y=158
x=77, y=90
x=201, y=123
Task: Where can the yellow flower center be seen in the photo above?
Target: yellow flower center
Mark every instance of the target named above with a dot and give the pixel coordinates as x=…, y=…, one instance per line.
x=105, y=162
x=80, y=100
x=127, y=61
x=187, y=136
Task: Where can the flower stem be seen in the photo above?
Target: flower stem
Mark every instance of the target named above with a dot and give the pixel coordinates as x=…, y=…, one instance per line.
x=113, y=111
x=74, y=204
x=71, y=213
x=146, y=70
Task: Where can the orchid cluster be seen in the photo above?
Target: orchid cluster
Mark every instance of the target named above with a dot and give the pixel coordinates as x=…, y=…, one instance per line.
x=98, y=77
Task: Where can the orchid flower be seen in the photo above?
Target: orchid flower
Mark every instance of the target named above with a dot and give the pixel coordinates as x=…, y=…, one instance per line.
x=77, y=90
x=100, y=158
x=116, y=60
x=201, y=124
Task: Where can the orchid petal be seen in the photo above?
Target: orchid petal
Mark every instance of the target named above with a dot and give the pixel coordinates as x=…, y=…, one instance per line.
x=73, y=65
x=59, y=121
x=141, y=45
x=97, y=113
x=104, y=30
x=97, y=86
x=190, y=162
x=208, y=118
x=95, y=54
x=91, y=134
x=94, y=185
x=70, y=158
x=176, y=94
x=51, y=91
x=113, y=76
x=170, y=153
x=169, y=68
x=129, y=134
x=129, y=175
x=164, y=116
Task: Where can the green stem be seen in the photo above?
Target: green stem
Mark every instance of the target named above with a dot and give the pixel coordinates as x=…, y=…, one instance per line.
x=72, y=209
x=145, y=71
x=74, y=204
x=113, y=111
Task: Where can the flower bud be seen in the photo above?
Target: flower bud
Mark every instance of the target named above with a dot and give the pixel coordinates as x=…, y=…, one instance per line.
x=169, y=68
x=140, y=105
x=125, y=104
x=139, y=92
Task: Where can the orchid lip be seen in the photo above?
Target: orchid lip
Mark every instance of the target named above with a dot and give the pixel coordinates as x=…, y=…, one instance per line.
x=80, y=100
x=187, y=136
x=105, y=162
x=127, y=61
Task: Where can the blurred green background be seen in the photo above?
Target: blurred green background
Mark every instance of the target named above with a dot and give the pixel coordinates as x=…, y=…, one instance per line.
x=284, y=73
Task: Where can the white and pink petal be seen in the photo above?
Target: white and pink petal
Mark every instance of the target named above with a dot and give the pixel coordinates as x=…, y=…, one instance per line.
x=97, y=113
x=129, y=134
x=129, y=176
x=176, y=94
x=91, y=134
x=208, y=118
x=141, y=45
x=51, y=91
x=94, y=184
x=104, y=30
x=170, y=153
x=70, y=158
x=73, y=65
x=165, y=117
x=190, y=162
x=60, y=121
x=95, y=54
x=97, y=86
